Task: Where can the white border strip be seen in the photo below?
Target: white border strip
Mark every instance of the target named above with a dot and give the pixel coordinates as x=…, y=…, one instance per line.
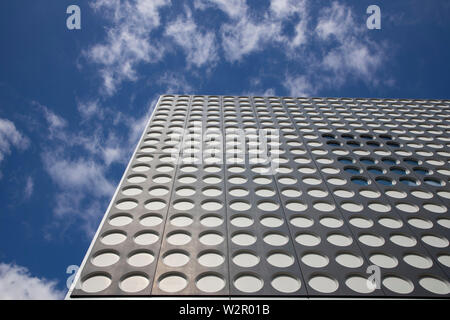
x=76, y=279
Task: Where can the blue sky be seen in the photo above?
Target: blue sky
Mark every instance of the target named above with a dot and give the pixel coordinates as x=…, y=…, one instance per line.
x=73, y=102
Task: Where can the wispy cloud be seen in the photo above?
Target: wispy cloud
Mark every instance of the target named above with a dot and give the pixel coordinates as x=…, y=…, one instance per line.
x=10, y=137
x=16, y=282
x=200, y=47
x=29, y=187
x=128, y=42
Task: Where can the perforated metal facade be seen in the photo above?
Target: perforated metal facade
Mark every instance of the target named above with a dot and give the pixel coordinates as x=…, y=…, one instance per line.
x=211, y=204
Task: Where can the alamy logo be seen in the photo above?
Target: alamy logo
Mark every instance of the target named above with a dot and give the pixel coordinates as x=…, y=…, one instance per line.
x=374, y=20
x=73, y=22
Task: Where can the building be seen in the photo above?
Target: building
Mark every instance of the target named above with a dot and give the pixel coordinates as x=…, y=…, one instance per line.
x=271, y=196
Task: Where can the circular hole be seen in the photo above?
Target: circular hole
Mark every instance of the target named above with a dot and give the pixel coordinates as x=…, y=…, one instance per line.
x=396, y=194
x=183, y=205
x=398, y=285
x=178, y=238
x=383, y=260
x=433, y=182
x=324, y=206
x=344, y=193
x=338, y=181
x=275, y=239
x=120, y=220
x=323, y=284
x=211, y=221
x=435, y=208
x=185, y=191
x=240, y=206
x=286, y=283
x=444, y=222
x=291, y=193
x=420, y=223
x=403, y=241
x=307, y=239
x=268, y=206
x=390, y=223
x=211, y=238
x=146, y=238
x=181, y=220
x=151, y=220
x=312, y=181
x=176, y=258
x=359, y=284
x=369, y=194
x=360, y=181
x=315, y=260
x=435, y=285
x=331, y=222
x=239, y=192
x=301, y=221
x=105, y=259
x=287, y=180
x=352, y=207
x=317, y=193
x=349, y=260
x=265, y=192
x=131, y=191
x=158, y=191
x=339, y=240
x=280, y=259
x=140, y=258
x=361, y=222
x=211, y=205
x=172, y=282
x=409, y=181
x=113, y=238
x=96, y=283
x=241, y=221
x=380, y=207
x=210, y=259
x=245, y=259
x=422, y=194
x=126, y=204
x=136, y=178
x=444, y=259
x=406, y=207
x=296, y=206
x=162, y=178
x=418, y=261
x=248, y=283
x=155, y=205
x=271, y=221
x=237, y=180
x=210, y=283
x=243, y=239
x=141, y=168
x=435, y=241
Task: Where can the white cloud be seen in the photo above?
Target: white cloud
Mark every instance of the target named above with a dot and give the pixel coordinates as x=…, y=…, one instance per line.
x=200, y=48
x=299, y=86
x=10, y=137
x=246, y=33
x=90, y=109
x=17, y=283
x=79, y=174
x=174, y=83
x=233, y=8
x=128, y=41
x=29, y=187
x=354, y=54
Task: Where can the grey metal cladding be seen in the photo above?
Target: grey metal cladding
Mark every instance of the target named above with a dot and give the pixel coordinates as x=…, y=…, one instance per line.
x=342, y=186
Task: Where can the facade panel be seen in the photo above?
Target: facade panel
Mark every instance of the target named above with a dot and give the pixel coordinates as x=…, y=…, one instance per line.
x=280, y=196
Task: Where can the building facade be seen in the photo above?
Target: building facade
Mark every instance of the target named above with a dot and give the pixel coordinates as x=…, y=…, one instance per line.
x=280, y=196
